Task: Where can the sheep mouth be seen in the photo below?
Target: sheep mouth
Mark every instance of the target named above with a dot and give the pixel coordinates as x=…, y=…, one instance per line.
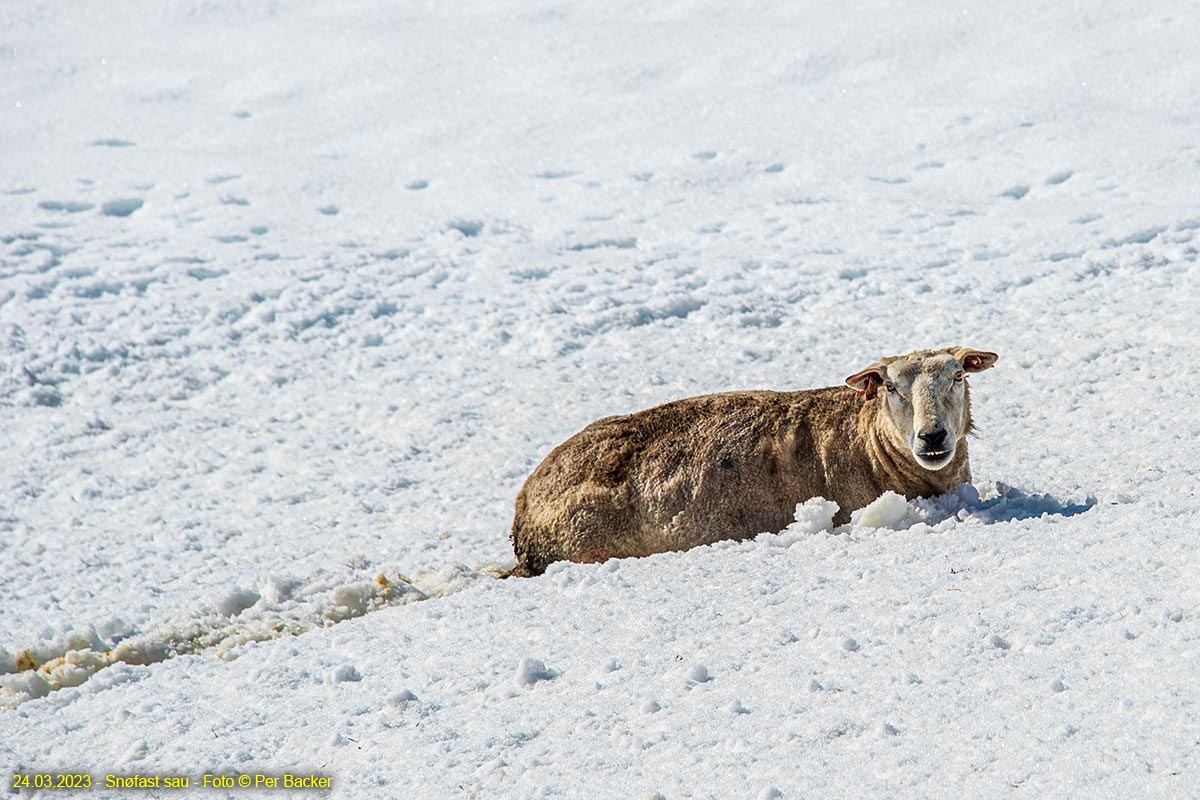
x=934, y=459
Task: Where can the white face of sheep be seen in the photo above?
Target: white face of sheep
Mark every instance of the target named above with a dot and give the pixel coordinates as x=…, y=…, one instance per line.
x=924, y=400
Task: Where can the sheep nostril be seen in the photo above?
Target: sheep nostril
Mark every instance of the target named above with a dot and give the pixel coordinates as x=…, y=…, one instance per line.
x=934, y=440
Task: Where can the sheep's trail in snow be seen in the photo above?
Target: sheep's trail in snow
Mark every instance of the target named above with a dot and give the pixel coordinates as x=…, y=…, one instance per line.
x=237, y=619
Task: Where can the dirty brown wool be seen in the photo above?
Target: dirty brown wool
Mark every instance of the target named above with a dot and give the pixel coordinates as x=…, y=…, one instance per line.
x=733, y=465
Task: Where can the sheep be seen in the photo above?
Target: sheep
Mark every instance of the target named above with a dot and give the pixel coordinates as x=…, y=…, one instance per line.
x=733, y=465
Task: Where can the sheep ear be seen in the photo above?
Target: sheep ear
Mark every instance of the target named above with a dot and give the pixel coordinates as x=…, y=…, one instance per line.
x=867, y=382
x=975, y=360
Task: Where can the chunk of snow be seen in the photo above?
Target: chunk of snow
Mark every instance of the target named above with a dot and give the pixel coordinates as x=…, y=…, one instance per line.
x=235, y=601
x=530, y=671
x=278, y=590
x=812, y=516
x=889, y=510
x=18, y=687
x=344, y=673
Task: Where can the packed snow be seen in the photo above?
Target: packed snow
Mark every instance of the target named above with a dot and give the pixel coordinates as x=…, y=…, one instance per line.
x=293, y=297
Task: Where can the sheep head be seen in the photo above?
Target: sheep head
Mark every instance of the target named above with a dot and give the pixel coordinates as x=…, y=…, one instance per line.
x=925, y=405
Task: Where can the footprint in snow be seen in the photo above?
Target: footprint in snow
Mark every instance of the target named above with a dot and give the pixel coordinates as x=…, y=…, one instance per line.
x=620, y=244
x=1016, y=192
x=206, y=273
x=120, y=208
x=705, y=155
x=467, y=227
x=65, y=206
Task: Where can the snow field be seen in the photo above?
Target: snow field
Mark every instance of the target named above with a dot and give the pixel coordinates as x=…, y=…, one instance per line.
x=295, y=296
x=859, y=647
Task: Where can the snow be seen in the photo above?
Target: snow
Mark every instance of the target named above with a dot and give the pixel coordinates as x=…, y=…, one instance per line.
x=889, y=510
x=294, y=296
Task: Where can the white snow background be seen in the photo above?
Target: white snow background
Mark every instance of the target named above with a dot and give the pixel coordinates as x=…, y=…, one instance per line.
x=294, y=296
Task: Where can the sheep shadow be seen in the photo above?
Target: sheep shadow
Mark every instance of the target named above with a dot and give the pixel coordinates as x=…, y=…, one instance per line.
x=1007, y=504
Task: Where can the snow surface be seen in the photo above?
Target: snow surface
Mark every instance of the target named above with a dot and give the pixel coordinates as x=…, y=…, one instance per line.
x=294, y=296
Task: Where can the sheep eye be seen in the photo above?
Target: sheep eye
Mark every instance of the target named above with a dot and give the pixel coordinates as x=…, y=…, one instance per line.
x=958, y=376
x=891, y=387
